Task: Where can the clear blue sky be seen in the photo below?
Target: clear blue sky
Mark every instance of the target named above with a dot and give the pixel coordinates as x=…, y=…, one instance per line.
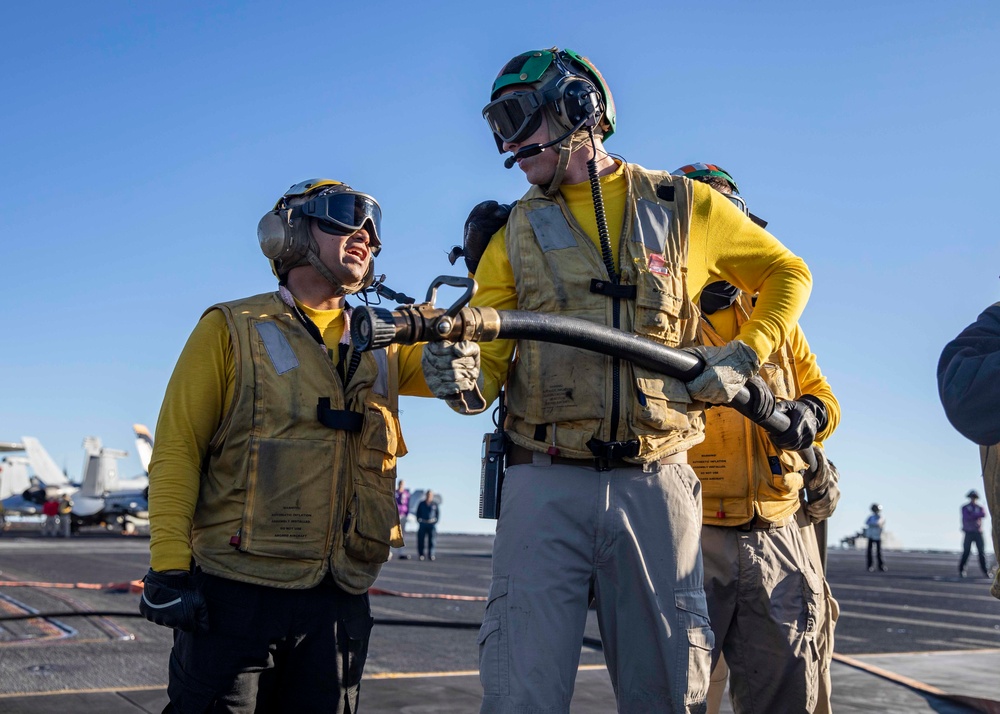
x=141, y=143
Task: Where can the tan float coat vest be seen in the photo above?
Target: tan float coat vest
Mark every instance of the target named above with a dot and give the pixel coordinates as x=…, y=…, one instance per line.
x=991, y=483
x=741, y=471
x=566, y=396
x=284, y=498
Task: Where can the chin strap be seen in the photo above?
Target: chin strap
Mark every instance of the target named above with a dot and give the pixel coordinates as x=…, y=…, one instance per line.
x=566, y=148
x=340, y=289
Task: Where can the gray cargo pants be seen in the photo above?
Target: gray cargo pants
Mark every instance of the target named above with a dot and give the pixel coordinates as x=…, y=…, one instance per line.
x=767, y=604
x=824, y=635
x=630, y=536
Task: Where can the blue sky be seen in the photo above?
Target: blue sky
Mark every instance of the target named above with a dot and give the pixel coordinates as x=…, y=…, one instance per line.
x=141, y=143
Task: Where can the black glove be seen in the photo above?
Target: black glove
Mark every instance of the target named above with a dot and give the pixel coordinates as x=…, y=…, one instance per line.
x=484, y=220
x=807, y=416
x=173, y=601
x=761, y=399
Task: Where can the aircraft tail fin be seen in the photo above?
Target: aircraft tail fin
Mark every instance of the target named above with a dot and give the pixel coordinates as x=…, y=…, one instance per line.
x=100, y=468
x=143, y=445
x=45, y=468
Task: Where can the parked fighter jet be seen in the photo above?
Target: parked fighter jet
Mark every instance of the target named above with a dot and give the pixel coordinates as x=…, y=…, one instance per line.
x=47, y=482
x=102, y=498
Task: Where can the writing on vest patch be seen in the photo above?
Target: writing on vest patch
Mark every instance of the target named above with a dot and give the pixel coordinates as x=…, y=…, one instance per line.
x=278, y=349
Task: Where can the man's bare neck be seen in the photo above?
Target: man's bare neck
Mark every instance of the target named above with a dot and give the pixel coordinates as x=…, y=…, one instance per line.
x=313, y=290
x=577, y=172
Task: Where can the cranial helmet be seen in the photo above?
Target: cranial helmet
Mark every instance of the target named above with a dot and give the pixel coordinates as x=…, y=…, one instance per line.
x=285, y=233
x=876, y=508
x=703, y=172
x=699, y=170
x=566, y=85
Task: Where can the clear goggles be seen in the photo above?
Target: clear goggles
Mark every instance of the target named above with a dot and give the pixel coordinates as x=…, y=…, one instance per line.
x=738, y=201
x=515, y=116
x=344, y=213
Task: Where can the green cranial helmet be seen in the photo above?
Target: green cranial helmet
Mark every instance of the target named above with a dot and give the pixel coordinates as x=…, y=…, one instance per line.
x=545, y=79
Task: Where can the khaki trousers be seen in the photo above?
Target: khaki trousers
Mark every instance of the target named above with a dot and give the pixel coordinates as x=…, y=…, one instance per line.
x=767, y=605
x=626, y=537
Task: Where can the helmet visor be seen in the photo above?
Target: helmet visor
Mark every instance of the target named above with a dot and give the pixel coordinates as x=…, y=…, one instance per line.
x=346, y=212
x=514, y=116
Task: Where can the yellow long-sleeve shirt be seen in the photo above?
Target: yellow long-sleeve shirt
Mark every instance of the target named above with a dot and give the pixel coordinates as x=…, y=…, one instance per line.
x=198, y=396
x=811, y=379
x=723, y=244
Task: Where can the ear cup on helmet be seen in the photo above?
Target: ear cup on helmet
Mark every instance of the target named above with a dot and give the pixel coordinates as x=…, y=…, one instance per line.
x=285, y=240
x=274, y=234
x=582, y=102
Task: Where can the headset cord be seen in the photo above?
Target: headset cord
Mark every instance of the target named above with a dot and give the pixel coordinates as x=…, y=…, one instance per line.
x=609, y=264
x=602, y=222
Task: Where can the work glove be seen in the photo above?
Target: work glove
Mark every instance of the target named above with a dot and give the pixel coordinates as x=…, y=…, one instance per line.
x=172, y=600
x=822, y=488
x=807, y=416
x=452, y=373
x=484, y=220
x=727, y=369
x=761, y=403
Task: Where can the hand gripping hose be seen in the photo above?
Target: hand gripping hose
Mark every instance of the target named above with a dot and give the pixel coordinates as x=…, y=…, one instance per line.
x=373, y=328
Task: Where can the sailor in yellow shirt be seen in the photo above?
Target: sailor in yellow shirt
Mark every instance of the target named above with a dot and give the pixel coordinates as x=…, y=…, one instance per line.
x=598, y=501
x=768, y=599
x=271, y=482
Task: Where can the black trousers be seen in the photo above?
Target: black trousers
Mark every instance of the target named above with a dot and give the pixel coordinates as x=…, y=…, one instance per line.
x=272, y=650
x=970, y=538
x=877, y=545
x=425, y=539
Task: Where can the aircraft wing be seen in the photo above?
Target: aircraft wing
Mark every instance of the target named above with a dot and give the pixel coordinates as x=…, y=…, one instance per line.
x=45, y=468
x=11, y=446
x=143, y=445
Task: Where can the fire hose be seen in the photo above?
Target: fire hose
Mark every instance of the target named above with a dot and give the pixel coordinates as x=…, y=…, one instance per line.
x=374, y=328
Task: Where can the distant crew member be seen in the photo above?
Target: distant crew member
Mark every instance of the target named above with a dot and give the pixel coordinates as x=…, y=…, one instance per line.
x=427, y=516
x=50, y=509
x=972, y=527
x=969, y=385
x=403, y=507
x=873, y=532
x=66, y=516
x=269, y=518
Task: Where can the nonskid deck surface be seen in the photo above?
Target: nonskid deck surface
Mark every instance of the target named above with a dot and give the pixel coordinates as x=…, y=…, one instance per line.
x=905, y=637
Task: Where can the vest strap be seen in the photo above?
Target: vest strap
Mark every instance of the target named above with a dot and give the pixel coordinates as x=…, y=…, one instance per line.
x=606, y=287
x=343, y=419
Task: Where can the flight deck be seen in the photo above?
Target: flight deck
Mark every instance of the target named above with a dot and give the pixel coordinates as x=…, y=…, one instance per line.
x=914, y=639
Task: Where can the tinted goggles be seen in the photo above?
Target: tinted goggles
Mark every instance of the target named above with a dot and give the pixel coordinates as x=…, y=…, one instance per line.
x=515, y=116
x=344, y=213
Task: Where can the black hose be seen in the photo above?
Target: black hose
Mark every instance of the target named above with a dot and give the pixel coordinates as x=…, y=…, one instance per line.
x=574, y=332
